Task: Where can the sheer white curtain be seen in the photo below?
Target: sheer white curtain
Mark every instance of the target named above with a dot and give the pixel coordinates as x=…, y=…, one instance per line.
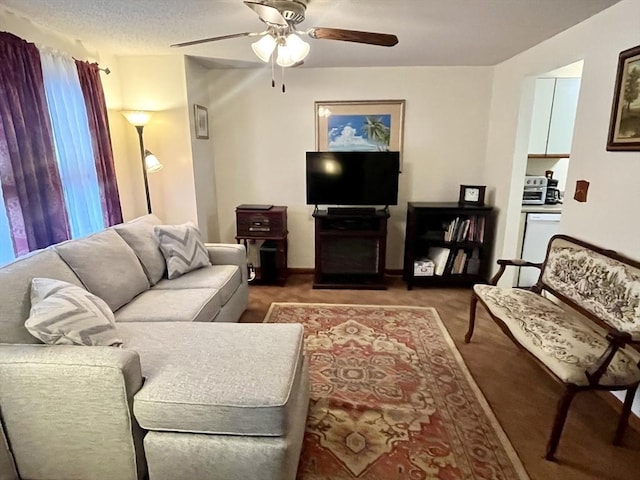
x=72, y=142
x=6, y=244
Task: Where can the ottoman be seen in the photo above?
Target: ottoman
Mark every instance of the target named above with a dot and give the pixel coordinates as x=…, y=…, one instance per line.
x=221, y=401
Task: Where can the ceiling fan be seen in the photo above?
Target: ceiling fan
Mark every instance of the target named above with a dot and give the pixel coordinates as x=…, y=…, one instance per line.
x=281, y=18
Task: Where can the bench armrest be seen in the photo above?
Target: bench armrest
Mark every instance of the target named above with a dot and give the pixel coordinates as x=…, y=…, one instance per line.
x=616, y=341
x=504, y=263
x=73, y=405
x=229, y=254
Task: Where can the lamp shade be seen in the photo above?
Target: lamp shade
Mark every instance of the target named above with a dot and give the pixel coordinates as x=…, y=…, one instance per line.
x=264, y=47
x=139, y=118
x=298, y=48
x=151, y=162
x=292, y=51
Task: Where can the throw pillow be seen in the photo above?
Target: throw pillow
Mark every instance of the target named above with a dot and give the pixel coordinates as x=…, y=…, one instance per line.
x=106, y=265
x=182, y=247
x=139, y=235
x=64, y=314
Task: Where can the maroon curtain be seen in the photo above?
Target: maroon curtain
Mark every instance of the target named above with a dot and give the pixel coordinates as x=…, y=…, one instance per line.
x=101, y=140
x=30, y=180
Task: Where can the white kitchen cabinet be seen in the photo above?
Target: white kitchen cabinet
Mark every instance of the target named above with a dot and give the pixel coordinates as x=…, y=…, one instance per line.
x=554, y=111
x=542, y=104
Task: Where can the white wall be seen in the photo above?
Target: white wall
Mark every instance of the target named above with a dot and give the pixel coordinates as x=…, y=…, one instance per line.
x=604, y=219
x=608, y=217
x=158, y=84
x=260, y=137
x=614, y=193
x=202, y=149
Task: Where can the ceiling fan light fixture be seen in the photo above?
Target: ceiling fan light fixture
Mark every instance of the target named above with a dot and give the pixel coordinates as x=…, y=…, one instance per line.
x=264, y=47
x=298, y=48
x=291, y=51
x=284, y=56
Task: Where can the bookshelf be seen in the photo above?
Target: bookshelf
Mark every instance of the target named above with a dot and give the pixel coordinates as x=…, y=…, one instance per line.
x=458, y=239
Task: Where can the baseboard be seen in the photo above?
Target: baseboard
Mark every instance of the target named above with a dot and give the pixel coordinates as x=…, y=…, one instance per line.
x=395, y=272
x=301, y=270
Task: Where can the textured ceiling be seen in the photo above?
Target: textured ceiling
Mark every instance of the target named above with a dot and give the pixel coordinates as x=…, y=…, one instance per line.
x=431, y=32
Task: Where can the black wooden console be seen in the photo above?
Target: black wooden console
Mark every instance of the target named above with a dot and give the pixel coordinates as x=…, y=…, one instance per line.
x=350, y=249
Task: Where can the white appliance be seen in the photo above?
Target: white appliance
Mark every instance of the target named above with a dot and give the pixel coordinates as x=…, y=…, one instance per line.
x=538, y=229
x=535, y=190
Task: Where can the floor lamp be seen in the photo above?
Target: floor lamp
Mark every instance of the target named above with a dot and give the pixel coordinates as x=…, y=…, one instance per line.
x=150, y=163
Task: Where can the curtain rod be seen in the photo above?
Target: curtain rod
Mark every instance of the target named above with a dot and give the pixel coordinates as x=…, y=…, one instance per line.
x=105, y=69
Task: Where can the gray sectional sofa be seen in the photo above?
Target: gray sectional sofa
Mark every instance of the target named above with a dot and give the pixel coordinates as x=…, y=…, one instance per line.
x=191, y=394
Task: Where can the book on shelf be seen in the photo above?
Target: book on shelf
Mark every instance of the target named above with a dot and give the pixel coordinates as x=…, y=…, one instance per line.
x=480, y=236
x=463, y=230
x=460, y=229
x=473, y=266
x=459, y=262
x=449, y=265
x=451, y=229
x=439, y=256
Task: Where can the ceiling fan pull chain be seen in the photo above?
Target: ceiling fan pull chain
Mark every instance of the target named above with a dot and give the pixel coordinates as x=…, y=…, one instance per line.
x=273, y=76
x=284, y=90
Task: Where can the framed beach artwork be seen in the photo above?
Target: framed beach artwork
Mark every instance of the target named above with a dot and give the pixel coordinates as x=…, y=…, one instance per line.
x=360, y=125
x=624, y=127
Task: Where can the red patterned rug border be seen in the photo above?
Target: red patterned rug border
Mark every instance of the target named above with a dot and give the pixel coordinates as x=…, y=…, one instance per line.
x=500, y=433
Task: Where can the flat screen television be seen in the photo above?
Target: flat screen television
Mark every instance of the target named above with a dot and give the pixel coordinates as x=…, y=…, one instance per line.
x=352, y=178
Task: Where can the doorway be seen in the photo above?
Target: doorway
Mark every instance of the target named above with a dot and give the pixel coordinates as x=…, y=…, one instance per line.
x=549, y=138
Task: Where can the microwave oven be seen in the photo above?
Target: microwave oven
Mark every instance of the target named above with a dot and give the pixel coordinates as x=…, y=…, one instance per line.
x=535, y=190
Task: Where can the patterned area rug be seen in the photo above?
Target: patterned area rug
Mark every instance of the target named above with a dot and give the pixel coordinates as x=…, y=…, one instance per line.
x=391, y=398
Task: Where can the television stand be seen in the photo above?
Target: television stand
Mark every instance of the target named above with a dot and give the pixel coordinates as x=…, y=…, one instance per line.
x=350, y=249
x=351, y=210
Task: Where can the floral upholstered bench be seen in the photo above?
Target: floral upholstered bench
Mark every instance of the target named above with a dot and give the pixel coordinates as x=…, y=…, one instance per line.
x=577, y=322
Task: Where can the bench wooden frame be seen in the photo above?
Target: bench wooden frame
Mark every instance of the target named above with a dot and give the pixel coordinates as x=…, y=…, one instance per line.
x=616, y=340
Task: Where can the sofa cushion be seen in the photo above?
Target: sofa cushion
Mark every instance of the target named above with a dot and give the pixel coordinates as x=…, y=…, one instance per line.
x=558, y=338
x=63, y=314
x=15, y=291
x=107, y=267
x=226, y=278
x=140, y=236
x=184, y=305
x=182, y=247
x=217, y=378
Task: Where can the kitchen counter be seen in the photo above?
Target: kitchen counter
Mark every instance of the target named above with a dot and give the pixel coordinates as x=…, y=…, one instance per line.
x=542, y=208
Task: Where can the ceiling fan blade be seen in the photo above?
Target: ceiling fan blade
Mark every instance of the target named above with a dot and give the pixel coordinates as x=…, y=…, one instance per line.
x=215, y=39
x=267, y=13
x=381, y=39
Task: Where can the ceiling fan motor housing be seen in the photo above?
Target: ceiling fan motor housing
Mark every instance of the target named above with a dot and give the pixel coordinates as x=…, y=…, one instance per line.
x=292, y=10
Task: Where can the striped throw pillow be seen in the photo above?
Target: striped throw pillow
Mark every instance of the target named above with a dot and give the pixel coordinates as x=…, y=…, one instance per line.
x=182, y=248
x=64, y=314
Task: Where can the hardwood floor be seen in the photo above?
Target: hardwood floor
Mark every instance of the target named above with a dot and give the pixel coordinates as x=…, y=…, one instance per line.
x=522, y=396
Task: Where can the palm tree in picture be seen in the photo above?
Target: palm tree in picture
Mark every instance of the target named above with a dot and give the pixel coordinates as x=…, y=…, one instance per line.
x=376, y=131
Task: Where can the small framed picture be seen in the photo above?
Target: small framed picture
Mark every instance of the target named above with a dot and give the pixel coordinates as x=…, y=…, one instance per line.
x=472, y=195
x=201, y=118
x=624, y=126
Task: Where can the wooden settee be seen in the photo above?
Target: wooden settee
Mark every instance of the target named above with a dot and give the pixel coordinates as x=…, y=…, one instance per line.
x=579, y=322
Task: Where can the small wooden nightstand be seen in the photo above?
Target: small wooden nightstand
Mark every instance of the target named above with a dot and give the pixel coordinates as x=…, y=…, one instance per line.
x=265, y=223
